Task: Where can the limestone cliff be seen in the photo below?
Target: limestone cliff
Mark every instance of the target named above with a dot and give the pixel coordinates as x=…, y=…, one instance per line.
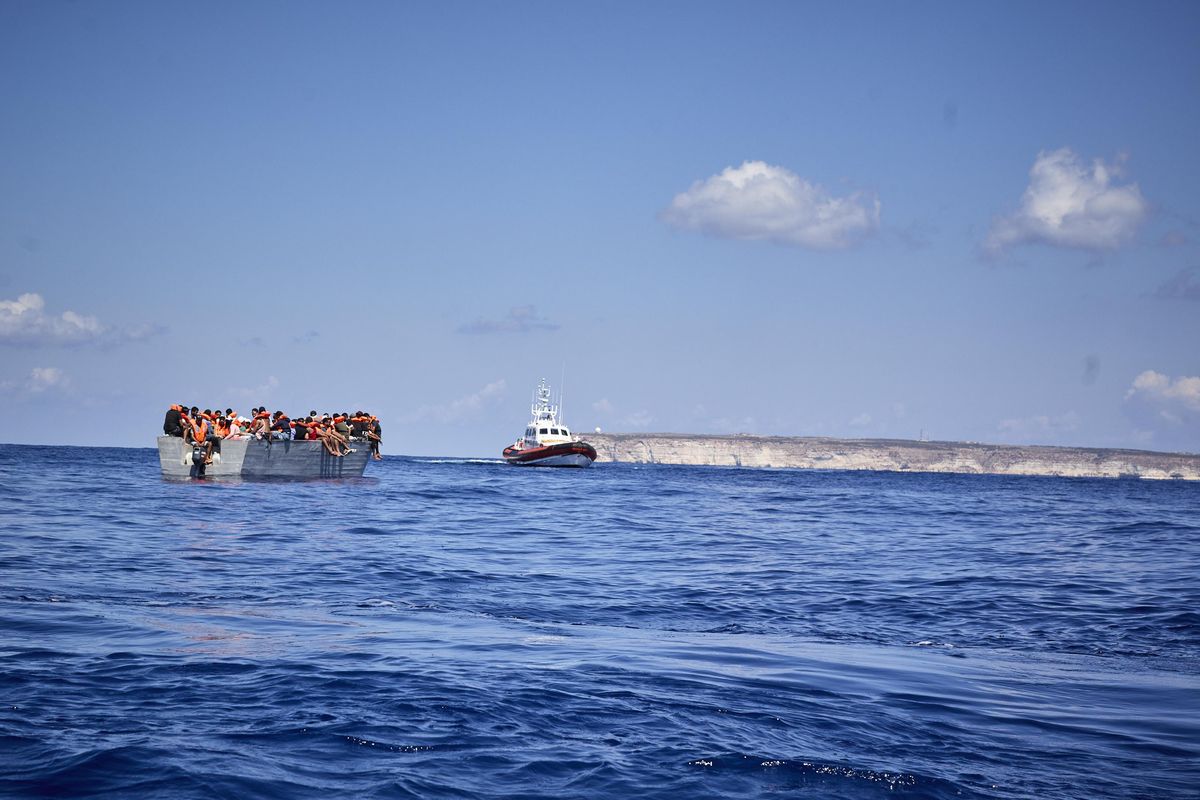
x=892, y=455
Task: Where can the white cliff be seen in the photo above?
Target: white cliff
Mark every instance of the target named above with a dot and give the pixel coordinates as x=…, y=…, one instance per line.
x=891, y=455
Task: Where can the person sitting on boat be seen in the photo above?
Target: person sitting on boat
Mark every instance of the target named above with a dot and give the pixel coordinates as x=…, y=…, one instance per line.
x=173, y=423
x=342, y=426
x=214, y=439
x=260, y=423
x=233, y=426
x=330, y=423
x=198, y=434
x=329, y=438
x=281, y=426
x=343, y=441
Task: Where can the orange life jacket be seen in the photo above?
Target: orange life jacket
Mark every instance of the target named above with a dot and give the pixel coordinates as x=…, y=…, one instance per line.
x=200, y=431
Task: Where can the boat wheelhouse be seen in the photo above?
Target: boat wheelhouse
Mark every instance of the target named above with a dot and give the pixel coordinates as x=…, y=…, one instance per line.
x=547, y=441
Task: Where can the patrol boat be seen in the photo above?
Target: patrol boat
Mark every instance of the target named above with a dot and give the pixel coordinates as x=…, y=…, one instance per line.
x=548, y=442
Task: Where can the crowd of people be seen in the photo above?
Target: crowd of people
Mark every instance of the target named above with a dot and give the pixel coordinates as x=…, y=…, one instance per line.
x=336, y=432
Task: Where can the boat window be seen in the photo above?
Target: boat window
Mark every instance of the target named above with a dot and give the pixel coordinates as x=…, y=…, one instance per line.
x=566, y=432
x=554, y=431
x=545, y=431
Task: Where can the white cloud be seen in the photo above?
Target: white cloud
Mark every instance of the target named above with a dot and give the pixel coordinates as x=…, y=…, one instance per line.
x=43, y=378
x=1069, y=204
x=466, y=407
x=759, y=201
x=24, y=321
x=1165, y=409
x=1180, y=393
x=39, y=380
x=602, y=406
x=861, y=421
x=520, y=319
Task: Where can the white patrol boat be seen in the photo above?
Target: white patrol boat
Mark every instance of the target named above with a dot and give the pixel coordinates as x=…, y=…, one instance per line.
x=548, y=442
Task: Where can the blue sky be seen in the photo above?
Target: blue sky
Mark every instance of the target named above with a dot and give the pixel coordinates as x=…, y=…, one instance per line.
x=977, y=222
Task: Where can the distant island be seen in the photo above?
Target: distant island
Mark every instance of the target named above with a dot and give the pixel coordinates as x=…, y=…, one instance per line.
x=891, y=455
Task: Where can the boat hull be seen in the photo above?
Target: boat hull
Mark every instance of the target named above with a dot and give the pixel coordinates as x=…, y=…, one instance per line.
x=257, y=458
x=566, y=454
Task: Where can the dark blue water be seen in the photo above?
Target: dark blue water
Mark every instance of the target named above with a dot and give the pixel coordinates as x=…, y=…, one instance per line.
x=451, y=629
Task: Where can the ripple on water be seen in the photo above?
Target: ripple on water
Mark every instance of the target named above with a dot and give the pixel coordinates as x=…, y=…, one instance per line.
x=438, y=630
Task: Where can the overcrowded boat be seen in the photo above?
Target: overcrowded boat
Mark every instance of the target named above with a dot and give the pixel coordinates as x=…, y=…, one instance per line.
x=214, y=444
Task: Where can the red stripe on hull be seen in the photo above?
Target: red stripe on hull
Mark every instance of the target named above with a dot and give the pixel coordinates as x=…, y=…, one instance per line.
x=533, y=455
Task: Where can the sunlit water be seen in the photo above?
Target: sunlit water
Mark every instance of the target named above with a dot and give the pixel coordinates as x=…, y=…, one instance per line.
x=456, y=629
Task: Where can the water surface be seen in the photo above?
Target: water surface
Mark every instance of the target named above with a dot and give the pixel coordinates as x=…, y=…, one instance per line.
x=457, y=628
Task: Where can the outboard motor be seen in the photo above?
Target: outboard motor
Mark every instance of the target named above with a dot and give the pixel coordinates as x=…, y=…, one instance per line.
x=198, y=455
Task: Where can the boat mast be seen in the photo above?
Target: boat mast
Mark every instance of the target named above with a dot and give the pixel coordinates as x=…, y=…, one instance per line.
x=543, y=409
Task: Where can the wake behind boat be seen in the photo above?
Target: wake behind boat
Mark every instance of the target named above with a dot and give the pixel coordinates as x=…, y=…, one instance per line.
x=548, y=442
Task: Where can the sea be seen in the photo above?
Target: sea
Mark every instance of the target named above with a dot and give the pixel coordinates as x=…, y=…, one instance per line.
x=458, y=628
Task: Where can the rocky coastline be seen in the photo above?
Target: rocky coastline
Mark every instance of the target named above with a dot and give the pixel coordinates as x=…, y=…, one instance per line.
x=891, y=455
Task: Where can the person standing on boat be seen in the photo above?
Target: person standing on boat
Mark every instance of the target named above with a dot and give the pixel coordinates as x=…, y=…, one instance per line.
x=375, y=434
